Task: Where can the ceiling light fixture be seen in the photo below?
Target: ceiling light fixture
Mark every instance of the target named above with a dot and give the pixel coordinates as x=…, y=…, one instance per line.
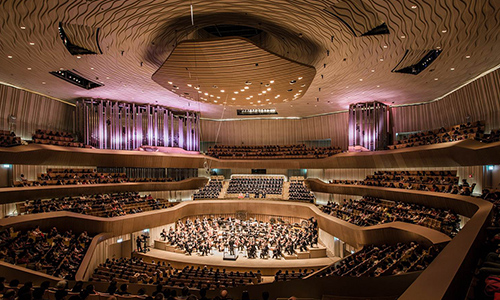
x=381, y=59
x=246, y=88
x=403, y=36
x=452, y=69
x=22, y=27
x=222, y=91
x=32, y=44
x=272, y=81
x=467, y=56
x=444, y=31
x=413, y=6
x=435, y=78
x=9, y=56
x=78, y=56
x=29, y=69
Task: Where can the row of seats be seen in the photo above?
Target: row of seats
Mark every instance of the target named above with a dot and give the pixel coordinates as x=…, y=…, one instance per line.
x=100, y=205
x=58, y=138
x=135, y=270
x=81, y=176
x=384, y=260
x=434, y=181
x=370, y=211
x=56, y=253
x=271, y=151
x=272, y=185
x=298, y=191
x=211, y=190
x=9, y=139
x=442, y=135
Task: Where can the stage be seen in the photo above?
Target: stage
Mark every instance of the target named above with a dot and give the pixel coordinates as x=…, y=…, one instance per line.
x=268, y=267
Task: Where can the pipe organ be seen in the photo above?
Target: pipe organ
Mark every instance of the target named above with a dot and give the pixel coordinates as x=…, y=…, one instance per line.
x=106, y=124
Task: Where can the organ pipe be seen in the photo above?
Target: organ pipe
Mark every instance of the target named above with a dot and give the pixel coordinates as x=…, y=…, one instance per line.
x=106, y=124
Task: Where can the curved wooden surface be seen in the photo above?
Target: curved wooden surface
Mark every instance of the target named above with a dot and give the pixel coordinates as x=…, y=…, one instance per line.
x=12, y=195
x=445, y=277
x=349, y=233
x=462, y=153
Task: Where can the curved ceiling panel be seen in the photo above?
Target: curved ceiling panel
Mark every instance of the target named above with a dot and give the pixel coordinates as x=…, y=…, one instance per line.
x=232, y=71
x=136, y=37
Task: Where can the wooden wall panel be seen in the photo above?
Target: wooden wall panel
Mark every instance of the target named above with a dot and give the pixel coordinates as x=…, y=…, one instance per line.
x=277, y=132
x=480, y=100
x=33, y=112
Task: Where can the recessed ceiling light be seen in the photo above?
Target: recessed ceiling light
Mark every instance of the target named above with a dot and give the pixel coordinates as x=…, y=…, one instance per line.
x=403, y=36
x=233, y=98
x=378, y=85
x=435, y=78
x=242, y=90
x=43, y=82
x=222, y=91
x=9, y=56
x=373, y=70
x=92, y=68
x=385, y=46
x=413, y=6
x=258, y=101
x=22, y=27
x=61, y=69
x=444, y=31
x=29, y=69
x=78, y=56
x=246, y=88
x=268, y=89
x=300, y=78
x=452, y=69
x=189, y=85
x=32, y=44
x=361, y=79
x=438, y=47
x=251, y=102
x=215, y=101
x=206, y=94
x=272, y=81
x=218, y=97
x=107, y=77
x=381, y=59
x=467, y=56
x=236, y=92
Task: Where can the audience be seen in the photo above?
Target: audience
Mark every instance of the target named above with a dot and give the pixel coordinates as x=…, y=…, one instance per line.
x=271, y=152
x=211, y=190
x=55, y=253
x=256, y=185
x=9, y=139
x=370, y=211
x=298, y=191
x=135, y=270
x=101, y=205
x=291, y=275
x=58, y=138
x=81, y=176
x=374, y=261
x=434, y=181
x=442, y=135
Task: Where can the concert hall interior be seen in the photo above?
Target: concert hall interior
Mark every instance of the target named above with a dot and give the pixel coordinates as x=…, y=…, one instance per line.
x=250, y=150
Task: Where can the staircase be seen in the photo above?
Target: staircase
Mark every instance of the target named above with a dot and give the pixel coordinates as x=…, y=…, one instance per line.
x=225, y=185
x=286, y=190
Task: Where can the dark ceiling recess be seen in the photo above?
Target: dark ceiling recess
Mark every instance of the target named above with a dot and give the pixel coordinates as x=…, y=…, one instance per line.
x=419, y=66
x=381, y=29
x=80, y=39
x=76, y=79
x=227, y=30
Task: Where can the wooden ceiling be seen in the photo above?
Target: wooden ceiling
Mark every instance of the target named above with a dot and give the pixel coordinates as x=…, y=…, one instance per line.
x=232, y=71
x=136, y=37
